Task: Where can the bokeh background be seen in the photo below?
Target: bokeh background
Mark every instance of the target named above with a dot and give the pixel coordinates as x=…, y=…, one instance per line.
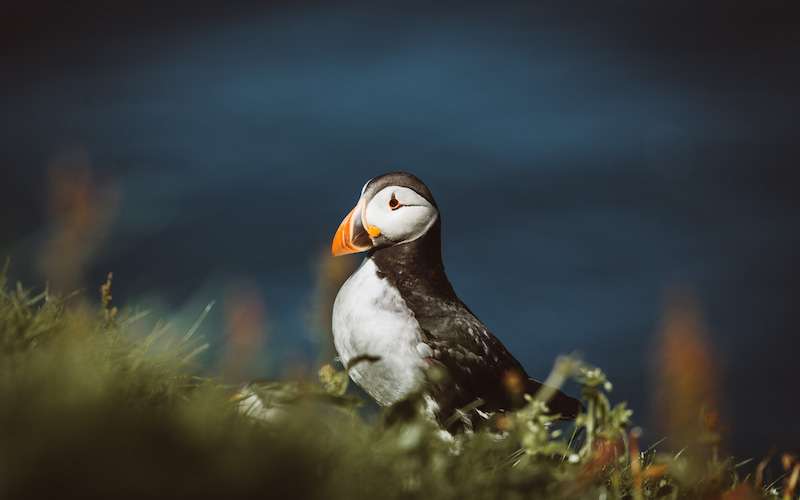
x=592, y=163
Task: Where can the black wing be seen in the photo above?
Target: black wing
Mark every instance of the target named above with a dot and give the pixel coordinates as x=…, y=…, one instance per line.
x=475, y=362
x=478, y=365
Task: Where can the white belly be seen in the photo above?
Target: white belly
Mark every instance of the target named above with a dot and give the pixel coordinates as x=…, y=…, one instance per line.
x=371, y=318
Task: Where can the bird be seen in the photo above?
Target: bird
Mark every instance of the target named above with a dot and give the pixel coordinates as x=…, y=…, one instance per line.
x=397, y=318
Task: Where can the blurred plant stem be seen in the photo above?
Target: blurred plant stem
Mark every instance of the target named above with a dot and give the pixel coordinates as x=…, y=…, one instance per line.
x=80, y=212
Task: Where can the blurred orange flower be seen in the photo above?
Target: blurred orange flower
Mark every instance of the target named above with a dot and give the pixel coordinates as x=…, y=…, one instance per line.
x=80, y=211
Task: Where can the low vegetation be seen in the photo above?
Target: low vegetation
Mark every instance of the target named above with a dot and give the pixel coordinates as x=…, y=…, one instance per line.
x=91, y=408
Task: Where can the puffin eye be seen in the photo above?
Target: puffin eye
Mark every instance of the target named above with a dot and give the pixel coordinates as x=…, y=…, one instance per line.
x=394, y=204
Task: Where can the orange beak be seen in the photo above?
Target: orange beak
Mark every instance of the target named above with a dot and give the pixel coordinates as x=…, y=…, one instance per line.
x=351, y=237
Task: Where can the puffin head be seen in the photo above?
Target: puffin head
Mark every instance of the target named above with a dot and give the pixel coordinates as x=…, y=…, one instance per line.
x=393, y=209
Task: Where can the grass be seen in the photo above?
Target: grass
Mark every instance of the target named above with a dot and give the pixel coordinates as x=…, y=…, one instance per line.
x=91, y=408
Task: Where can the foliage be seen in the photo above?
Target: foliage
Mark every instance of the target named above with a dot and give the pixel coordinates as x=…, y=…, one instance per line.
x=89, y=408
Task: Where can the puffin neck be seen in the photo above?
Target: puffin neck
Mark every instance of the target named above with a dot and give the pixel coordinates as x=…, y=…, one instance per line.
x=416, y=266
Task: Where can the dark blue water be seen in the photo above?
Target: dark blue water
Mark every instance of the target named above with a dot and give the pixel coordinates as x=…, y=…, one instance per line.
x=583, y=169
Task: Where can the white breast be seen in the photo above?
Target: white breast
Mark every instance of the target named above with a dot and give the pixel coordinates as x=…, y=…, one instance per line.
x=371, y=318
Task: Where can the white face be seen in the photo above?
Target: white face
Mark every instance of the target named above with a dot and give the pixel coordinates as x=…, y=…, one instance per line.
x=399, y=214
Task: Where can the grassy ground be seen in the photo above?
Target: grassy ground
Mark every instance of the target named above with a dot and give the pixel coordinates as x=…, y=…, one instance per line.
x=89, y=408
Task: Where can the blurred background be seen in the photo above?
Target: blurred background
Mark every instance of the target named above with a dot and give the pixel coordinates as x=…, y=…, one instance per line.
x=615, y=178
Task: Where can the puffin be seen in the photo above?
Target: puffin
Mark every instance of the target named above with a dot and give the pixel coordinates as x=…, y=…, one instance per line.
x=397, y=318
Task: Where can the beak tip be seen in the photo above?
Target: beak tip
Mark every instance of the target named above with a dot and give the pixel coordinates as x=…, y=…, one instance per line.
x=348, y=237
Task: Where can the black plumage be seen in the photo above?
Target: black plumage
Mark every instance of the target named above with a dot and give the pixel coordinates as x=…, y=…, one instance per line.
x=476, y=363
